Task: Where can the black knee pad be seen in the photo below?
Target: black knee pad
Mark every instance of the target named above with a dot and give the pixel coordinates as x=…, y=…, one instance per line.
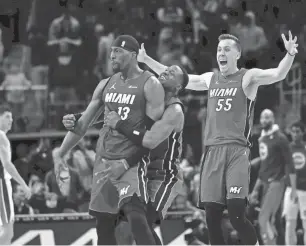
x=214, y=212
x=237, y=211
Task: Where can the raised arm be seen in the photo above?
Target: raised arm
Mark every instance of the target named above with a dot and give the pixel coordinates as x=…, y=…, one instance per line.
x=196, y=82
x=259, y=77
x=155, y=98
x=81, y=126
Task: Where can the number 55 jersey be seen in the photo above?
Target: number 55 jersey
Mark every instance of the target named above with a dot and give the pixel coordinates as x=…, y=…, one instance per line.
x=229, y=111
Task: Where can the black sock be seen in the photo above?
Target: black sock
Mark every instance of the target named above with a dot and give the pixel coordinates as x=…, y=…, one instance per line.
x=106, y=224
x=214, y=214
x=135, y=213
x=246, y=231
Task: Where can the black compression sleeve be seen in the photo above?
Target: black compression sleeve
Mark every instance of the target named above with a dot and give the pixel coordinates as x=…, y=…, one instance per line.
x=77, y=116
x=135, y=135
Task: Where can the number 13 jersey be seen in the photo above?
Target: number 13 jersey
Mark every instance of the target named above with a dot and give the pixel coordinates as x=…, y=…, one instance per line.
x=229, y=112
x=127, y=98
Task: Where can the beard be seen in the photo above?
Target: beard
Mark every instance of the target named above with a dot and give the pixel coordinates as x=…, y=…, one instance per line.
x=116, y=68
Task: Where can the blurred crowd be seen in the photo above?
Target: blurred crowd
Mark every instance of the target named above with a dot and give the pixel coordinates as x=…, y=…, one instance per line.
x=53, y=54
x=60, y=49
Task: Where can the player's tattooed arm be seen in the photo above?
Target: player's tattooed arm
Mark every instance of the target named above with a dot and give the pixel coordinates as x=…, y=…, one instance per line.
x=155, y=98
x=162, y=128
x=259, y=77
x=6, y=160
x=81, y=126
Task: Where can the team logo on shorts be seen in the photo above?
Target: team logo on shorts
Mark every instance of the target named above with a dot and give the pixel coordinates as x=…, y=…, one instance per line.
x=124, y=191
x=299, y=160
x=263, y=151
x=235, y=190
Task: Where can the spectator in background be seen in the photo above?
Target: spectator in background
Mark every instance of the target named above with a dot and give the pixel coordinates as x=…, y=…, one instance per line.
x=41, y=159
x=171, y=15
x=22, y=162
x=302, y=40
x=21, y=206
x=44, y=202
x=15, y=85
x=38, y=201
x=65, y=71
x=253, y=40
x=177, y=57
x=103, y=68
x=65, y=30
x=169, y=38
x=82, y=163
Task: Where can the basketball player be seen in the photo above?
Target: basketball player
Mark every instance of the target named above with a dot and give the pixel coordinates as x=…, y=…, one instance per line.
x=165, y=141
x=275, y=159
x=231, y=98
x=7, y=171
x=290, y=208
x=138, y=97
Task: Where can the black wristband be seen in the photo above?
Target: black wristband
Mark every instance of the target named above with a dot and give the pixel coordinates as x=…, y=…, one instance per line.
x=135, y=135
x=77, y=116
x=290, y=54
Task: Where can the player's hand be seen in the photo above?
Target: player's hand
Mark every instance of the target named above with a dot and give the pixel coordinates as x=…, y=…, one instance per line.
x=112, y=119
x=290, y=44
x=253, y=198
x=142, y=54
x=62, y=175
x=69, y=121
x=27, y=191
x=293, y=196
x=115, y=169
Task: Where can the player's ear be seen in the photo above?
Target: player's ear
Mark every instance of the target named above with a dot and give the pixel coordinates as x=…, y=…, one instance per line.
x=238, y=55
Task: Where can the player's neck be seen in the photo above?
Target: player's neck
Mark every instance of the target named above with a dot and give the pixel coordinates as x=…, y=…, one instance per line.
x=168, y=96
x=230, y=72
x=131, y=73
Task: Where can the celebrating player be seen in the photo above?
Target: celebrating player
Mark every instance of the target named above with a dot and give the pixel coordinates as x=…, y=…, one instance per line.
x=291, y=208
x=275, y=158
x=231, y=98
x=7, y=171
x=138, y=97
x=165, y=141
